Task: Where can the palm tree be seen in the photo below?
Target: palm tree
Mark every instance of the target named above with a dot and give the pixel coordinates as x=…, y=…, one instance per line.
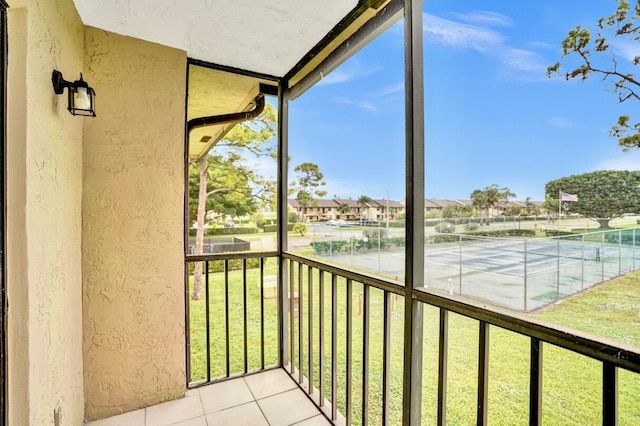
x=362, y=202
x=343, y=209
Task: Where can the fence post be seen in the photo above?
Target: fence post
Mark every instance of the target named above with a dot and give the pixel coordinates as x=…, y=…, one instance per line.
x=619, y=252
x=558, y=269
x=602, y=257
x=582, y=266
x=460, y=263
x=634, y=249
x=526, y=295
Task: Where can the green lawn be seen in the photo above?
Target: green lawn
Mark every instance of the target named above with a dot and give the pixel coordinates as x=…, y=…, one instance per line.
x=572, y=384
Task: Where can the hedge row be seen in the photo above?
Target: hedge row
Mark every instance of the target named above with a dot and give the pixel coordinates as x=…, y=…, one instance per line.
x=227, y=231
x=482, y=220
x=504, y=233
x=274, y=228
x=336, y=246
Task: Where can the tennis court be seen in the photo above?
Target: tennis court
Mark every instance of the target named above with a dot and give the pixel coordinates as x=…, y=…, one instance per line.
x=517, y=257
x=518, y=273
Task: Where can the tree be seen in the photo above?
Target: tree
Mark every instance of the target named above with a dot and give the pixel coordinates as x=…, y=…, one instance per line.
x=307, y=185
x=344, y=209
x=363, y=201
x=491, y=196
x=221, y=182
x=602, y=195
x=513, y=210
x=597, y=57
x=451, y=211
x=299, y=228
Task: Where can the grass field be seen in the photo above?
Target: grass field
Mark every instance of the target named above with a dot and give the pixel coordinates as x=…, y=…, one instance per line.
x=572, y=384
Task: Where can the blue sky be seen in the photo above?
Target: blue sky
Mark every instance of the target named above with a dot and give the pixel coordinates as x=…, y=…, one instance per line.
x=491, y=113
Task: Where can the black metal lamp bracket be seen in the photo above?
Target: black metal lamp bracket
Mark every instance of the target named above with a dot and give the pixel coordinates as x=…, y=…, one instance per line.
x=59, y=83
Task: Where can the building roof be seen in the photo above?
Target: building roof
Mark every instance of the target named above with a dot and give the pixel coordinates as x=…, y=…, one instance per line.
x=392, y=204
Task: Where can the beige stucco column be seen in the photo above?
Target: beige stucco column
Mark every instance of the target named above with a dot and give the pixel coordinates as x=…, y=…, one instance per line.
x=132, y=233
x=44, y=204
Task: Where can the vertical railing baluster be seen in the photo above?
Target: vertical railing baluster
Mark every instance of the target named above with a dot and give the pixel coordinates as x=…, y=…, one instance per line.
x=310, y=326
x=187, y=322
x=291, y=320
x=535, y=383
x=207, y=309
x=609, y=394
x=226, y=310
x=386, y=359
x=349, y=349
x=321, y=336
x=334, y=346
x=300, y=324
x=244, y=316
x=443, y=345
x=262, y=313
x=483, y=373
x=365, y=354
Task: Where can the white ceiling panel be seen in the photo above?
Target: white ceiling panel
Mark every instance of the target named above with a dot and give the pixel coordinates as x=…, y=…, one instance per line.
x=268, y=36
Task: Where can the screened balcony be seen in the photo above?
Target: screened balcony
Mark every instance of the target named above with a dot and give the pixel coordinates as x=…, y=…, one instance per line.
x=341, y=343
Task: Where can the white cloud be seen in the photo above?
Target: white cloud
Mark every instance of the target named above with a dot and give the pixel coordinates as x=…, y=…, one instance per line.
x=456, y=34
x=367, y=106
x=390, y=90
x=485, y=17
x=560, y=122
x=515, y=62
x=348, y=71
x=628, y=49
x=265, y=167
x=629, y=161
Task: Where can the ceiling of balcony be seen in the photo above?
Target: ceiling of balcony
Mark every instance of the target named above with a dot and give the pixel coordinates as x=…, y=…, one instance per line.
x=268, y=37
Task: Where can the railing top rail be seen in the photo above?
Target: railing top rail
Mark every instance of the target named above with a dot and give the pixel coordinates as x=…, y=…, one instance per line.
x=229, y=256
x=600, y=348
x=370, y=280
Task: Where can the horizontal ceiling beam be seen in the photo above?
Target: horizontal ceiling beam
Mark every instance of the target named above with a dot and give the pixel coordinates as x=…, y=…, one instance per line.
x=383, y=19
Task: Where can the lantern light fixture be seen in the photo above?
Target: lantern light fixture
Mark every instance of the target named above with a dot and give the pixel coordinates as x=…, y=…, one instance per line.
x=81, y=96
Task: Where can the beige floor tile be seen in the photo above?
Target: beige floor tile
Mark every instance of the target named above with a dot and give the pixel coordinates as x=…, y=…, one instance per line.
x=224, y=395
x=287, y=408
x=242, y=415
x=192, y=392
x=132, y=418
x=198, y=421
x=175, y=411
x=318, y=420
x=269, y=383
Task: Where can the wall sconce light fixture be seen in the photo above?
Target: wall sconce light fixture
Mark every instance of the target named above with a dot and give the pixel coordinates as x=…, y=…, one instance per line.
x=81, y=95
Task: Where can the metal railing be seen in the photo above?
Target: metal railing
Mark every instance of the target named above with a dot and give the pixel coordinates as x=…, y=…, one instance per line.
x=333, y=350
x=222, y=337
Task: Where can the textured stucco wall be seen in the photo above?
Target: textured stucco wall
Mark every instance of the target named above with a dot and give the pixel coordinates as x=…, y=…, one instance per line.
x=44, y=182
x=133, y=256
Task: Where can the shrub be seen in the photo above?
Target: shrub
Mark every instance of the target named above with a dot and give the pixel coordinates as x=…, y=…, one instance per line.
x=226, y=231
x=505, y=233
x=445, y=228
x=300, y=228
x=373, y=233
x=439, y=239
x=274, y=228
x=471, y=226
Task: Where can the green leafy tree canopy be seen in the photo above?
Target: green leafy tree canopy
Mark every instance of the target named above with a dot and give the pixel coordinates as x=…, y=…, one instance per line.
x=602, y=195
x=491, y=196
x=596, y=56
x=307, y=185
